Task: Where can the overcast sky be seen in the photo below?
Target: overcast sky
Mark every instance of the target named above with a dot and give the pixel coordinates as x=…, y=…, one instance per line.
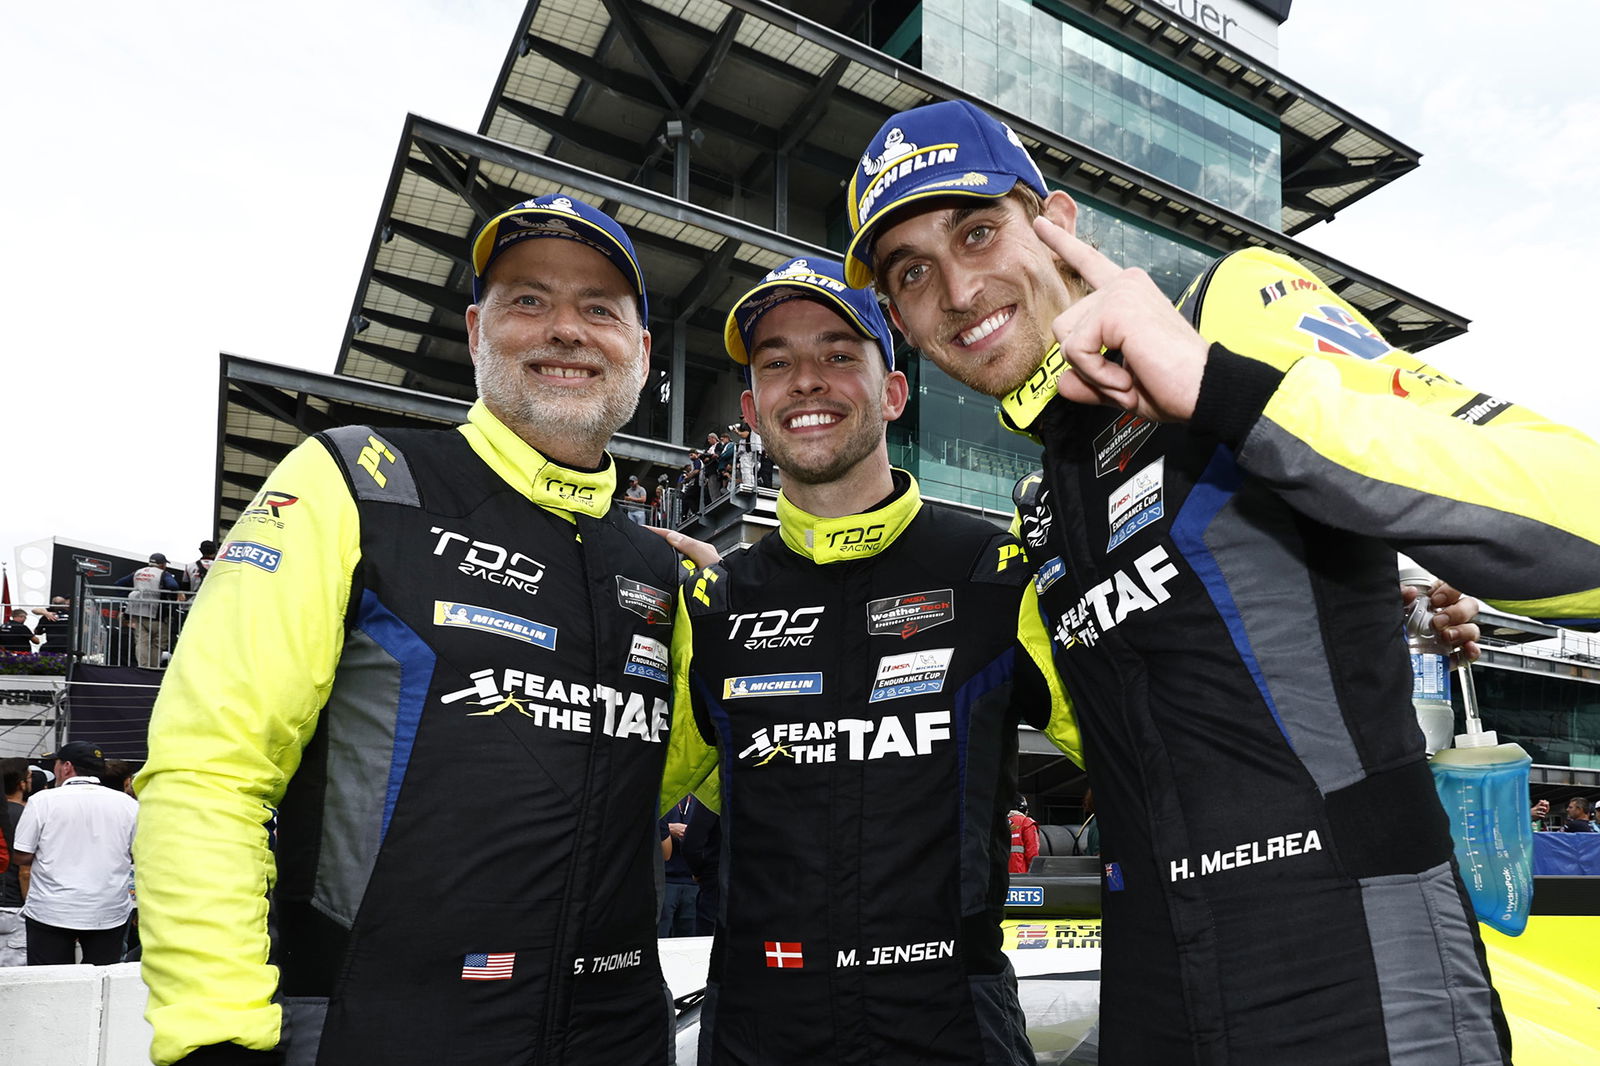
x=192, y=178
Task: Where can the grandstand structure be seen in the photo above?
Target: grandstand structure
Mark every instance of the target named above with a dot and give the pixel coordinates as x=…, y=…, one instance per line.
x=722, y=134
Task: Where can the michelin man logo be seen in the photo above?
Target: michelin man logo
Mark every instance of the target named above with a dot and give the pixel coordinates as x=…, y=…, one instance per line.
x=895, y=145
x=546, y=225
x=1011, y=135
x=795, y=269
x=561, y=203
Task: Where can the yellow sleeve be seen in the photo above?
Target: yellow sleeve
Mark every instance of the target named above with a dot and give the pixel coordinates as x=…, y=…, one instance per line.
x=238, y=704
x=691, y=762
x=1062, y=727
x=1483, y=492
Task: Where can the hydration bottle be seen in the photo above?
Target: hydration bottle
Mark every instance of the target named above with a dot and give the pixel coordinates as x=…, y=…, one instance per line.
x=1483, y=785
x=1430, y=665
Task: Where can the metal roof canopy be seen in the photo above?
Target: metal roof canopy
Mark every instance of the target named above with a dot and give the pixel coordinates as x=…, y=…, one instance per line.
x=781, y=104
x=265, y=410
x=407, y=324
x=1331, y=158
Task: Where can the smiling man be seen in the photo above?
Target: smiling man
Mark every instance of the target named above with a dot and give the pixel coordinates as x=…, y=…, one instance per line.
x=1217, y=518
x=429, y=669
x=855, y=683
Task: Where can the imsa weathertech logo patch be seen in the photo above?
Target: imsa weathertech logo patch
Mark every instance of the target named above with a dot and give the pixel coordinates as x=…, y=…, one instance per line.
x=646, y=601
x=467, y=616
x=1115, y=445
x=905, y=616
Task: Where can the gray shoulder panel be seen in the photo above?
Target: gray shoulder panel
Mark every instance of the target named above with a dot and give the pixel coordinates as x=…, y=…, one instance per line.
x=375, y=468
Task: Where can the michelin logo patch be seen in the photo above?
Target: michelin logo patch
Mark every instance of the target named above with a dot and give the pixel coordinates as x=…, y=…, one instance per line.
x=736, y=688
x=1049, y=574
x=647, y=657
x=467, y=616
x=912, y=674
x=1135, y=503
x=257, y=555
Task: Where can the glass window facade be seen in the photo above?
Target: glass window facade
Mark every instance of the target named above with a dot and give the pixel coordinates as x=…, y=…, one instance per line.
x=1034, y=63
x=1556, y=719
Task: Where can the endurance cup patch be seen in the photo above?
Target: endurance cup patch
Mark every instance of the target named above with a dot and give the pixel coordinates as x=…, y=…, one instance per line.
x=646, y=601
x=905, y=616
x=912, y=674
x=1134, y=504
x=647, y=657
x=501, y=624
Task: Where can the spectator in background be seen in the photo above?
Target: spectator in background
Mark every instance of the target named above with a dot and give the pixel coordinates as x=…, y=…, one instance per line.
x=635, y=500
x=117, y=774
x=710, y=469
x=78, y=837
x=55, y=625
x=678, y=903
x=1024, y=837
x=658, y=502
x=14, y=882
x=702, y=849
x=725, y=452
x=691, y=484
x=1578, y=818
x=149, y=609
x=196, y=572
x=15, y=636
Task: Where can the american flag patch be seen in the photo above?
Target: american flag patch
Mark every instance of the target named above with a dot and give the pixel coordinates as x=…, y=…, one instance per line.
x=493, y=966
x=783, y=955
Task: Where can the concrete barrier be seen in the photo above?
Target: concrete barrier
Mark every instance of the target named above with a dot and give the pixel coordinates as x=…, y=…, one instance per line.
x=74, y=1015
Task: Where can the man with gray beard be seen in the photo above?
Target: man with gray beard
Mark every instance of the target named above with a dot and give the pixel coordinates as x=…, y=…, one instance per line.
x=395, y=606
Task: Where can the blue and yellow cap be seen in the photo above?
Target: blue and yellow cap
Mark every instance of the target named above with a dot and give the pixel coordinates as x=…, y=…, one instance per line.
x=557, y=215
x=951, y=148
x=821, y=280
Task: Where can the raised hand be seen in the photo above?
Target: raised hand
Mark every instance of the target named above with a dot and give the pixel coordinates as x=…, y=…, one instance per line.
x=1163, y=358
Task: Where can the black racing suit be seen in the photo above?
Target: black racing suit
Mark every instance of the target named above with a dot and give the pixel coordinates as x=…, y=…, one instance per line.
x=862, y=680
x=1280, y=885
x=444, y=659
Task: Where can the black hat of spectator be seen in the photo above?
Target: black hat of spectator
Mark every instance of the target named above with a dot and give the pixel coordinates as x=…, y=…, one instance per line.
x=80, y=753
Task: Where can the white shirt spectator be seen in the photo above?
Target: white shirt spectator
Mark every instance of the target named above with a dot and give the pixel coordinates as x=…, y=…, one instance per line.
x=81, y=837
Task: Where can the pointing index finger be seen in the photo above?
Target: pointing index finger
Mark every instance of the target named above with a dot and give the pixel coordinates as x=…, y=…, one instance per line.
x=1094, y=267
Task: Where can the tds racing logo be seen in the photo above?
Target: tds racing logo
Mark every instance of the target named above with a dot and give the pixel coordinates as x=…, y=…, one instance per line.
x=490, y=562
x=849, y=739
x=776, y=629
x=856, y=540
x=567, y=490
